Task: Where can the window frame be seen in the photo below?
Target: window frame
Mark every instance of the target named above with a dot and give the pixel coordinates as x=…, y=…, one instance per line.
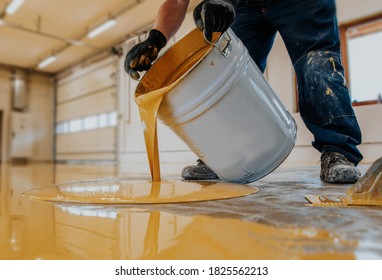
x=343, y=28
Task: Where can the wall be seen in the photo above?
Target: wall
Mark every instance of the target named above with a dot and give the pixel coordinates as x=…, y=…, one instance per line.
x=86, y=99
x=5, y=106
x=40, y=107
x=349, y=10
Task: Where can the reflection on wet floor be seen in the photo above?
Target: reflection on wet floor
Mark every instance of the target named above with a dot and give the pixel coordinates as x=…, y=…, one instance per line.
x=274, y=223
x=127, y=191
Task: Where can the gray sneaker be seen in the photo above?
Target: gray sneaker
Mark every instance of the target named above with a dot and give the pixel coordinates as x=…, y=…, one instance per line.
x=200, y=171
x=337, y=169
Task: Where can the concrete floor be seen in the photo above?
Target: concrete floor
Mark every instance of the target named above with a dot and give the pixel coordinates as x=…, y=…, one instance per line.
x=275, y=223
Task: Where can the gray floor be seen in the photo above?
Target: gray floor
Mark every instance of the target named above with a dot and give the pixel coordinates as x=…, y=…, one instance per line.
x=281, y=203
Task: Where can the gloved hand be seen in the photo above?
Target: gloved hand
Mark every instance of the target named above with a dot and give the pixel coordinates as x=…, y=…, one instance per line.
x=214, y=16
x=142, y=55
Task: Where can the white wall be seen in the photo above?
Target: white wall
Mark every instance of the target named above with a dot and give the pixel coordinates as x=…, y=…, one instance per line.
x=40, y=107
x=5, y=106
x=349, y=10
x=89, y=90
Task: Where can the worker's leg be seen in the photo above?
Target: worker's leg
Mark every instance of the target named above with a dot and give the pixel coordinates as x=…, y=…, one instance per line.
x=254, y=30
x=310, y=32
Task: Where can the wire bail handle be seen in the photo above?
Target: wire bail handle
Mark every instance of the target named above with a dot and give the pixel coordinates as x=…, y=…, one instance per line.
x=223, y=44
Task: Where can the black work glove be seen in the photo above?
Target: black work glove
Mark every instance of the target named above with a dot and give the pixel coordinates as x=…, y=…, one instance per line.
x=142, y=55
x=214, y=16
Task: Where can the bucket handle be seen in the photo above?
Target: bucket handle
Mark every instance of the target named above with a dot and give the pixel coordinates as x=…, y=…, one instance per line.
x=224, y=44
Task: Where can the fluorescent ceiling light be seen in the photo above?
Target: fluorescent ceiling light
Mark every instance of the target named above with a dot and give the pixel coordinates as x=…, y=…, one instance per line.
x=76, y=43
x=11, y=8
x=98, y=30
x=47, y=61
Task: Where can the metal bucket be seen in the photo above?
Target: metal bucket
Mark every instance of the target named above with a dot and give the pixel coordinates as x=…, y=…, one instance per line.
x=222, y=107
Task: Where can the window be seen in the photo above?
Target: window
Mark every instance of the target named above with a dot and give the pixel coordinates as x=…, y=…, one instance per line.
x=112, y=119
x=75, y=125
x=102, y=120
x=62, y=128
x=362, y=45
x=88, y=123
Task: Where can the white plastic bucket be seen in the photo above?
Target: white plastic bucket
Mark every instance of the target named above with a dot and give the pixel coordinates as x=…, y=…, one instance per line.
x=223, y=109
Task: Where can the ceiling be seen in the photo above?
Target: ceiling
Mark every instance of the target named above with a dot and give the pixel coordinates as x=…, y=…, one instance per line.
x=41, y=28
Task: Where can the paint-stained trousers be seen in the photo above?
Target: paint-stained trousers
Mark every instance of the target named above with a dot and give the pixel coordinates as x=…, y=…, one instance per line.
x=310, y=32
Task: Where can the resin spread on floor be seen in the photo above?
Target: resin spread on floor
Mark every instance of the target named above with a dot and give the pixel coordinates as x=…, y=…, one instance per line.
x=120, y=191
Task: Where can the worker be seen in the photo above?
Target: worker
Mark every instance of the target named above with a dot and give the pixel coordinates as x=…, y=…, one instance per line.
x=309, y=30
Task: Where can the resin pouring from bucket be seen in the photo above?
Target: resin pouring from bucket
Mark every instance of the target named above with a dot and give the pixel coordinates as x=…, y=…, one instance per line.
x=222, y=107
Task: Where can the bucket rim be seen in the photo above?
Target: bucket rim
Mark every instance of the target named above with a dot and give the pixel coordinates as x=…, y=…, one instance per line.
x=142, y=89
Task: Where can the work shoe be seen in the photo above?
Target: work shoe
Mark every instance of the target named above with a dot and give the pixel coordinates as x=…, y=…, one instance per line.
x=200, y=171
x=337, y=169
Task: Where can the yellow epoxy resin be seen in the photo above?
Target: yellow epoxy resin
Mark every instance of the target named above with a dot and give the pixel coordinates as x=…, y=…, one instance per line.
x=120, y=191
x=152, y=89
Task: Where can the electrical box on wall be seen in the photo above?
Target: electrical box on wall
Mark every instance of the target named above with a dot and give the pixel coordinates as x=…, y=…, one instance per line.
x=20, y=91
x=22, y=135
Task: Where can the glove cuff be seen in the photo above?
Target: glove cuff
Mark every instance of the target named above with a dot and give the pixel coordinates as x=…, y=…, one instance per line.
x=157, y=38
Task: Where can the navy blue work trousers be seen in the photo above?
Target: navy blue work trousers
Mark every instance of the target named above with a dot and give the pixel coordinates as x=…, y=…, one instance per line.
x=310, y=32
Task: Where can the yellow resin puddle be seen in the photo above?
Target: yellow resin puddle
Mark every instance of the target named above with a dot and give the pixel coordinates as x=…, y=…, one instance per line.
x=121, y=191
